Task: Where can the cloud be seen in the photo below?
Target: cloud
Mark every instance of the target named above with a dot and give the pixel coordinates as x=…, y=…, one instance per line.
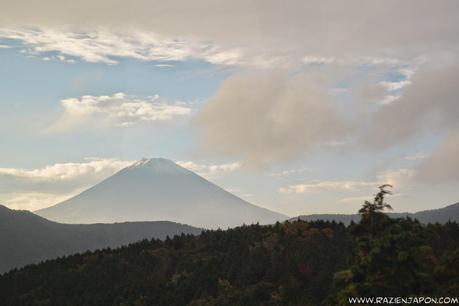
x=327, y=186
x=428, y=104
x=389, y=99
x=103, y=46
x=210, y=171
x=318, y=32
x=37, y=188
x=269, y=117
x=318, y=60
x=288, y=172
x=35, y=200
x=322, y=28
x=59, y=177
x=392, y=86
x=119, y=109
x=442, y=166
x=399, y=178
x=354, y=200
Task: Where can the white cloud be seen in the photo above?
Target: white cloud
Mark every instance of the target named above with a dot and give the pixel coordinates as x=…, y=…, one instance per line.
x=110, y=45
x=107, y=46
x=392, y=86
x=378, y=60
x=318, y=60
x=36, y=188
x=353, y=200
x=119, y=109
x=211, y=170
x=164, y=65
x=408, y=72
x=66, y=171
x=287, y=172
x=59, y=176
x=35, y=200
x=327, y=186
x=389, y=99
x=399, y=178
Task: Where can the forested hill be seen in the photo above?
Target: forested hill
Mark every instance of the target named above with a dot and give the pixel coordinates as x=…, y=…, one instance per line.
x=293, y=263
x=26, y=238
x=440, y=215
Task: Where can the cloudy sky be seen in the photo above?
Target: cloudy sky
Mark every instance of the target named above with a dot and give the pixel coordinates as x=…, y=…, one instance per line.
x=299, y=106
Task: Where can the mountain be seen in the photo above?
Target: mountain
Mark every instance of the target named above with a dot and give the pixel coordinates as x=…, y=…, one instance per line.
x=159, y=189
x=26, y=238
x=440, y=215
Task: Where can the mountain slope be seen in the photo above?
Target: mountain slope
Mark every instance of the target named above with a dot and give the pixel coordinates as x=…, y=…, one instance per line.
x=298, y=263
x=159, y=189
x=440, y=215
x=26, y=238
x=240, y=266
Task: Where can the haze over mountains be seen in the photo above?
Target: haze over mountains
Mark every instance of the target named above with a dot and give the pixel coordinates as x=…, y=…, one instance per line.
x=158, y=189
x=440, y=215
x=26, y=238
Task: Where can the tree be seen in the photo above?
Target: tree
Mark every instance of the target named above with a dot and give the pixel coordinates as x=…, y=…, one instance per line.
x=372, y=212
x=378, y=204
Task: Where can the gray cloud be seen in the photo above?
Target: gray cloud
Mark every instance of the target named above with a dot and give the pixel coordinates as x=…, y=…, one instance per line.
x=428, y=104
x=264, y=31
x=269, y=117
x=443, y=164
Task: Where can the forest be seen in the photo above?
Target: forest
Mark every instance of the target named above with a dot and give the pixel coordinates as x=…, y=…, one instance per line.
x=290, y=263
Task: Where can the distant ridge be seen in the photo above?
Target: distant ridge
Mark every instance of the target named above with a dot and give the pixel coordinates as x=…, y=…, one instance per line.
x=26, y=238
x=440, y=215
x=159, y=189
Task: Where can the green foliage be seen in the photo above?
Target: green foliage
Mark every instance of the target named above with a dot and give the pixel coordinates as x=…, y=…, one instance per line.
x=398, y=257
x=291, y=263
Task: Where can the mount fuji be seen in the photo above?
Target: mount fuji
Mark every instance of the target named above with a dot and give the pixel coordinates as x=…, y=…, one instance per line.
x=155, y=190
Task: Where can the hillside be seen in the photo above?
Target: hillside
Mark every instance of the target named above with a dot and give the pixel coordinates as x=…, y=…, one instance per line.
x=440, y=215
x=158, y=189
x=26, y=238
x=243, y=265
x=299, y=263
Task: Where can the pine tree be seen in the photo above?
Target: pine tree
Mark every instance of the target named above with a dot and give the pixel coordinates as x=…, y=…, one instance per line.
x=372, y=212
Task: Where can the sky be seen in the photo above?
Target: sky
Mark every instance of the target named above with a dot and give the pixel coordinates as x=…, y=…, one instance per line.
x=301, y=107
